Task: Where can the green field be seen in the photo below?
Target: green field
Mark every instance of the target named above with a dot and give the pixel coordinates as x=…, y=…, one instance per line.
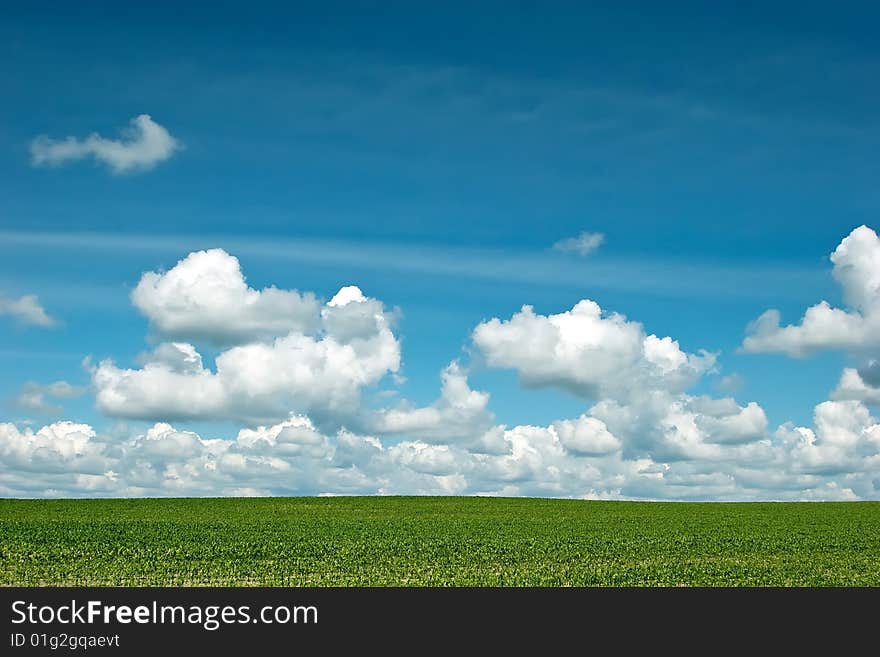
x=425, y=541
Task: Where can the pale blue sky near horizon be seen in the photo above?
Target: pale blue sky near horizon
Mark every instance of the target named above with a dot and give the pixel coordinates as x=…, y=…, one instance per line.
x=433, y=156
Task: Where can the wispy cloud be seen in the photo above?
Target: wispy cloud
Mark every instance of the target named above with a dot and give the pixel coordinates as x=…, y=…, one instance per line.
x=33, y=396
x=145, y=144
x=27, y=310
x=583, y=244
x=730, y=383
x=654, y=276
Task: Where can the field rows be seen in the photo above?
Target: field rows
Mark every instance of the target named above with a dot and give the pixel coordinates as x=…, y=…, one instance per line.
x=435, y=541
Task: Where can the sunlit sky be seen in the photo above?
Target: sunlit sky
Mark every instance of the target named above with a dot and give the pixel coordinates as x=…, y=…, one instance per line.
x=433, y=156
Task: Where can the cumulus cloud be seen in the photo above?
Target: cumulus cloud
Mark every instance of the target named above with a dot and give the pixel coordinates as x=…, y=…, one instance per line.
x=33, y=396
x=145, y=143
x=856, y=268
x=64, y=458
x=845, y=441
x=285, y=352
x=583, y=244
x=296, y=436
x=350, y=316
x=321, y=373
x=205, y=297
x=26, y=310
x=172, y=384
x=724, y=421
x=592, y=353
x=678, y=427
x=460, y=415
x=854, y=386
x=63, y=441
x=586, y=435
x=638, y=383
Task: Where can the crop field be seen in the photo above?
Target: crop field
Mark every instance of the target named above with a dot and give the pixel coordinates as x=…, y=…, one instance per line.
x=422, y=541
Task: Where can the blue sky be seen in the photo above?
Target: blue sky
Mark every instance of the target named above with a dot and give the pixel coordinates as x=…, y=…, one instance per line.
x=432, y=156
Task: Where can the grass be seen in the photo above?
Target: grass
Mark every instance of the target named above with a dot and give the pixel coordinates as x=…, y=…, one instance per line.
x=424, y=541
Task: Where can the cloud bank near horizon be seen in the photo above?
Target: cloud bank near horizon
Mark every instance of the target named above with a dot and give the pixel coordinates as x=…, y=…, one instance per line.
x=295, y=373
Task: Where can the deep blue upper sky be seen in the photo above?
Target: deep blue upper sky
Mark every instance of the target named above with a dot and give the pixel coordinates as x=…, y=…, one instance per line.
x=433, y=155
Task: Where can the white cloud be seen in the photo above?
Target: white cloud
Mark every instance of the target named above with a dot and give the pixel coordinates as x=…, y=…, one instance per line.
x=724, y=421
x=145, y=144
x=350, y=316
x=845, y=441
x=586, y=435
x=294, y=438
x=678, y=427
x=428, y=459
x=161, y=389
x=584, y=244
x=594, y=354
x=852, y=386
x=61, y=458
x=205, y=297
x=162, y=443
x=291, y=354
x=856, y=268
x=26, y=310
x=66, y=440
x=321, y=374
x=346, y=295
x=461, y=414
x=570, y=458
x=33, y=396
x=638, y=382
